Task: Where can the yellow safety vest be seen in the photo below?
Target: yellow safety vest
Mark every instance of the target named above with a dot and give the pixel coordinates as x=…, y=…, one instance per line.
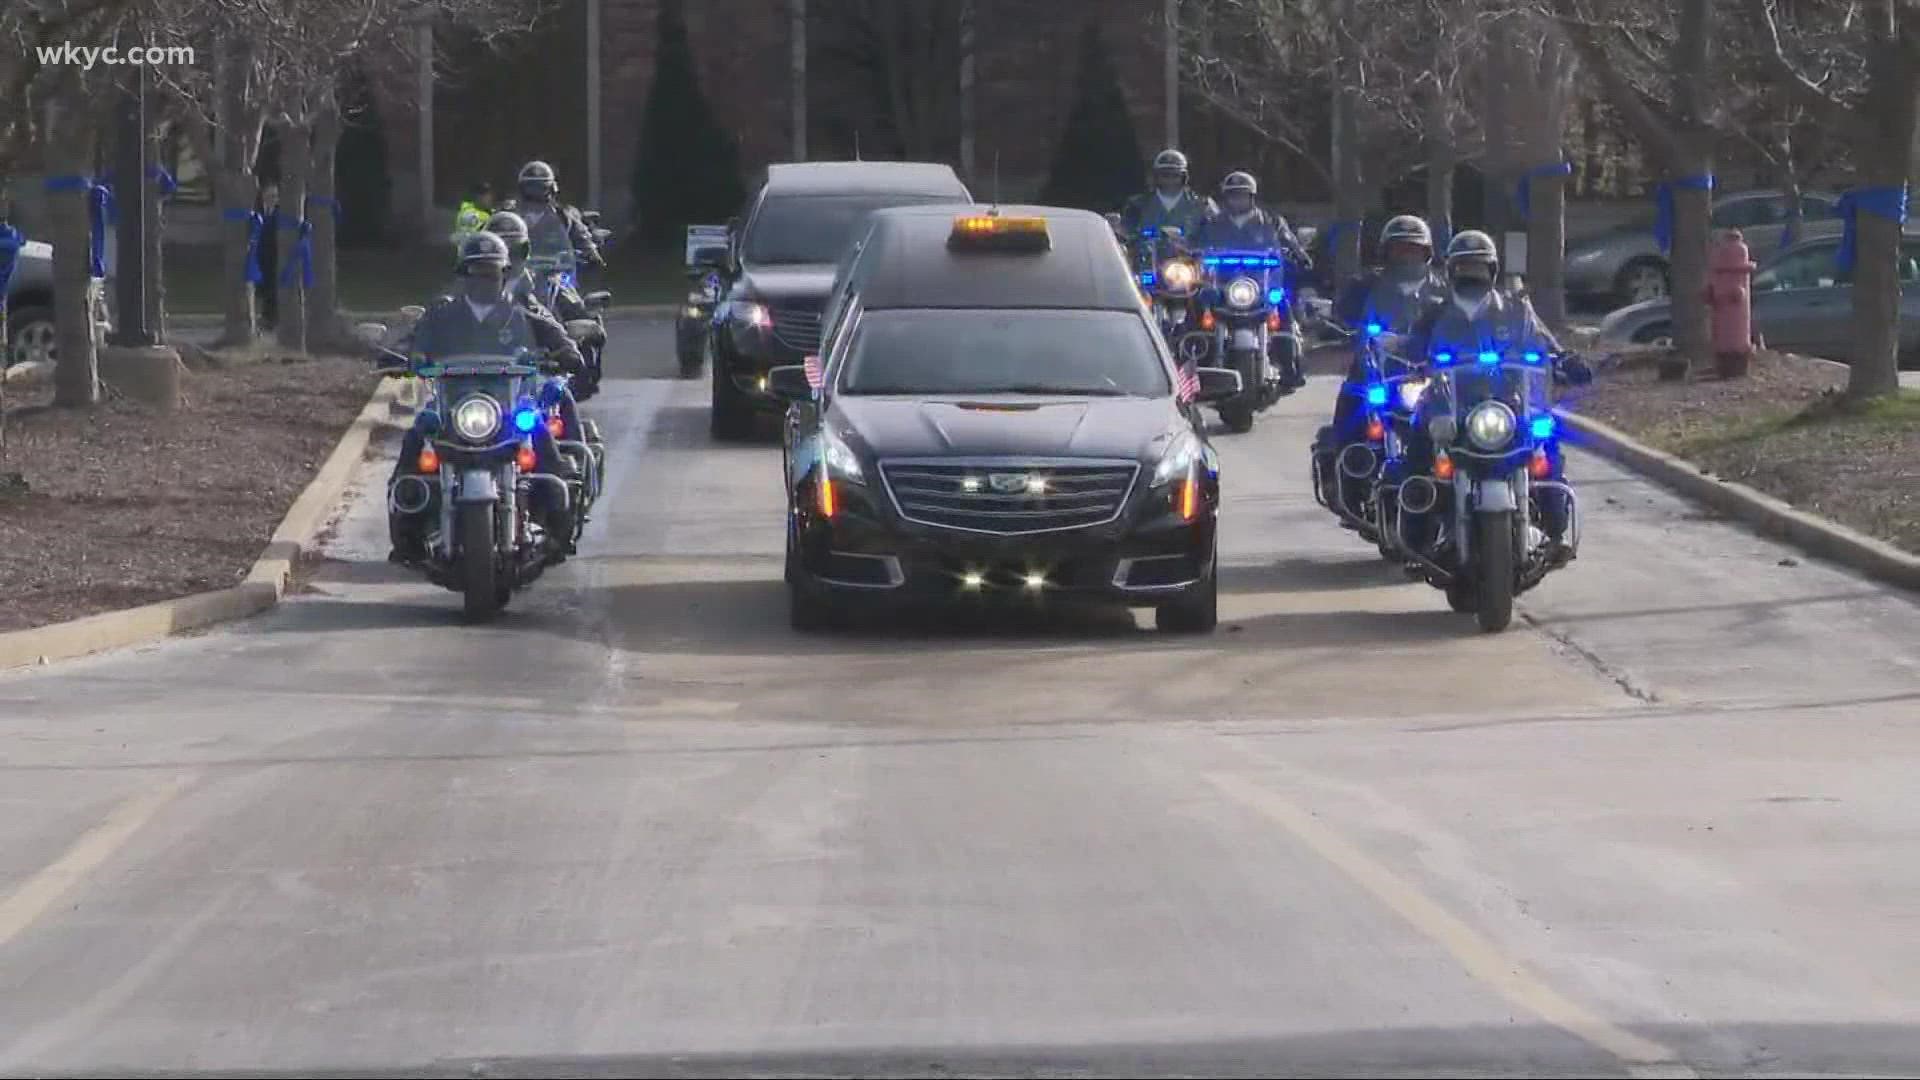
x=470, y=219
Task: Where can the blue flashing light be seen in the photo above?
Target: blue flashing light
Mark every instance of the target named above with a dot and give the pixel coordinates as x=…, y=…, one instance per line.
x=526, y=420
x=1276, y=296
x=1146, y=277
x=1271, y=261
x=1376, y=395
x=1489, y=357
x=1211, y=260
x=1374, y=329
x=1149, y=232
x=1543, y=427
x=1442, y=359
x=1531, y=356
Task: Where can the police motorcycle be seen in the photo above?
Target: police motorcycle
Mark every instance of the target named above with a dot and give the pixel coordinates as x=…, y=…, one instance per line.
x=1359, y=482
x=1244, y=321
x=1467, y=523
x=557, y=272
x=480, y=419
x=691, y=326
x=1169, y=278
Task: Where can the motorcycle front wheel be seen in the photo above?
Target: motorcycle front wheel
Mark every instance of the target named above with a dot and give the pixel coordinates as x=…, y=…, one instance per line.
x=479, y=587
x=1493, y=585
x=1237, y=412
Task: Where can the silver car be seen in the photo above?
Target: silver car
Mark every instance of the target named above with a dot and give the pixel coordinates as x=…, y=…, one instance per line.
x=1625, y=265
x=1801, y=303
x=30, y=306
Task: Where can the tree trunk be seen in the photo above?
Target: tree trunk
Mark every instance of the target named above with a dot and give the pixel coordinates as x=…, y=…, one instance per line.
x=1692, y=216
x=1892, y=109
x=296, y=163
x=155, y=291
x=230, y=152
x=1441, y=158
x=1349, y=195
x=797, y=74
x=69, y=152
x=1546, y=249
x=967, y=121
x=326, y=328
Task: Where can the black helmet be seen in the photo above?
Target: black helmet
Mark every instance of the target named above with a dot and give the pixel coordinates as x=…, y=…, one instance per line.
x=1407, y=229
x=1473, y=246
x=1239, y=181
x=537, y=181
x=1170, y=160
x=508, y=226
x=483, y=249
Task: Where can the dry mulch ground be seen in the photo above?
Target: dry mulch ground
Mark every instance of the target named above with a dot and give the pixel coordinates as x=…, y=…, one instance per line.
x=124, y=506
x=1784, y=429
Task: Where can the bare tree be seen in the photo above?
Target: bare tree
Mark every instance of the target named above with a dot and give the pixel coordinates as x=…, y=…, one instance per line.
x=1540, y=83
x=1654, y=62
x=908, y=54
x=1856, y=68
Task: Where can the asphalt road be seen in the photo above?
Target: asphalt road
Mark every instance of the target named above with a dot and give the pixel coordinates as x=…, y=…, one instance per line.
x=1666, y=825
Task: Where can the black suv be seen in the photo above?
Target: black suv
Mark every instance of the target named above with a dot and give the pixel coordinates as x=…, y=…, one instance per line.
x=780, y=268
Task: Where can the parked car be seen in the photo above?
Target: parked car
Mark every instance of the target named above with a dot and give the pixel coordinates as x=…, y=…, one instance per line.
x=30, y=333
x=1625, y=265
x=1801, y=303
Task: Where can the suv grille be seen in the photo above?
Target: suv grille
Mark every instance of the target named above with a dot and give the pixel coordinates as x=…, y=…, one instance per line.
x=797, y=328
x=992, y=497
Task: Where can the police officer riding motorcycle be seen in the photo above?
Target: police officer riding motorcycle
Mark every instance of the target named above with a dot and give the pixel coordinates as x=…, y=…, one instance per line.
x=577, y=437
x=1489, y=488
x=1246, y=311
x=481, y=350
x=1377, y=309
x=559, y=242
x=1157, y=228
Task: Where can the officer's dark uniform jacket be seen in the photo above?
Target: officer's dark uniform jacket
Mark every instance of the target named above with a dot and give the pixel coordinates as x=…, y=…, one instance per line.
x=557, y=229
x=1149, y=211
x=449, y=328
x=1259, y=231
x=1398, y=306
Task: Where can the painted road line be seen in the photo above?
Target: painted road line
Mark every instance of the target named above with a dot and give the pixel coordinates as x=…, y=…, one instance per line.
x=38, y=893
x=1482, y=958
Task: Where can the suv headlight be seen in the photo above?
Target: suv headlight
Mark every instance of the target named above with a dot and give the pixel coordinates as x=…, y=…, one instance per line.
x=1243, y=292
x=1490, y=425
x=839, y=458
x=476, y=418
x=1179, y=460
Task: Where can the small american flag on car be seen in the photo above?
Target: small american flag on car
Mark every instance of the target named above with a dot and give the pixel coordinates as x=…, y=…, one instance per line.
x=815, y=374
x=1188, y=386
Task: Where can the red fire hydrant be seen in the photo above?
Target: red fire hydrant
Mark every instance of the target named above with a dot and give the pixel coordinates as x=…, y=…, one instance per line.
x=1729, y=297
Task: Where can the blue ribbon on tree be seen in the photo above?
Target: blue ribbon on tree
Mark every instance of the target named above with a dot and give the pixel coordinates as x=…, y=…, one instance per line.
x=1523, y=192
x=159, y=175
x=99, y=216
x=10, y=241
x=302, y=257
x=1663, y=205
x=1885, y=202
x=256, y=221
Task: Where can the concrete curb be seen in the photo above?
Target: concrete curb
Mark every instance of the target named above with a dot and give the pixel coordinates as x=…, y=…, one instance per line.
x=262, y=588
x=1764, y=513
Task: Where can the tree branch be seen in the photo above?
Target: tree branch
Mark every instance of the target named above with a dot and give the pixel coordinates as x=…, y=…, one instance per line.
x=1773, y=55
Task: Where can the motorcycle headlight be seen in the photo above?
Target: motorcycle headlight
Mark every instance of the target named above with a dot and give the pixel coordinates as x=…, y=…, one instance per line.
x=1243, y=292
x=840, y=459
x=476, y=418
x=1179, y=275
x=1490, y=425
x=1179, y=458
x=1410, y=392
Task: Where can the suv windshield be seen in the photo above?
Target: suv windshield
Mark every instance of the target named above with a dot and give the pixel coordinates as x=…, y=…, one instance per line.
x=937, y=352
x=815, y=228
